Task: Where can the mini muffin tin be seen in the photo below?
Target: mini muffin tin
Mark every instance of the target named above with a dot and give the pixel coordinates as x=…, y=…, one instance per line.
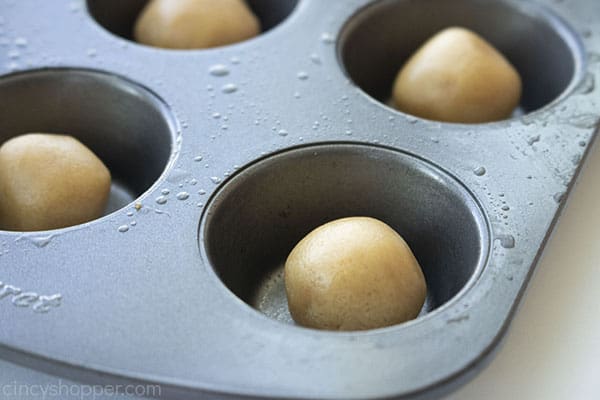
x=222, y=159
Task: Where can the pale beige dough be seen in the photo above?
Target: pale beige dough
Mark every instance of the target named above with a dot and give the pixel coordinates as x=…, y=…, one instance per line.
x=353, y=274
x=50, y=181
x=457, y=76
x=195, y=24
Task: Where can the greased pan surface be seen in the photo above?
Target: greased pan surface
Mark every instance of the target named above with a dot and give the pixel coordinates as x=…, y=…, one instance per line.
x=247, y=147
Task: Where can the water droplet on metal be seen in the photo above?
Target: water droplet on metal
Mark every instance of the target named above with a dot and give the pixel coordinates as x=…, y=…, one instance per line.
x=198, y=158
x=13, y=66
x=161, y=200
x=584, y=121
x=314, y=57
x=533, y=139
x=528, y=119
x=479, y=171
x=41, y=241
x=183, y=196
x=123, y=228
x=327, y=38
x=165, y=191
x=219, y=70
x=74, y=6
x=178, y=175
x=282, y=132
x=21, y=42
x=588, y=85
x=558, y=197
x=229, y=88
x=506, y=241
x=215, y=179
x=302, y=75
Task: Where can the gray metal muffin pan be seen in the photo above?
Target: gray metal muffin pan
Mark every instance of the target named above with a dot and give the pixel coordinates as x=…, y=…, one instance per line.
x=223, y=158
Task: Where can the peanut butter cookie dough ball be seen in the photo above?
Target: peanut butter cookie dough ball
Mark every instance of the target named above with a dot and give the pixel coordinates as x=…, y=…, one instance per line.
x=353, y=274
x=195, y=24
x=50, y=181
x=457, y=76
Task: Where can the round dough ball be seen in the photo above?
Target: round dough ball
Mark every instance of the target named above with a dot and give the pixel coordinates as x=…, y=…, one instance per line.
x=50, y=181
x=457, y=76
x=195, y=24
x=353, y=274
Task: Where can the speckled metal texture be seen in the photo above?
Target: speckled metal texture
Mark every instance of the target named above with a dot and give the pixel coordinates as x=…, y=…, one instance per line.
x=235, y=149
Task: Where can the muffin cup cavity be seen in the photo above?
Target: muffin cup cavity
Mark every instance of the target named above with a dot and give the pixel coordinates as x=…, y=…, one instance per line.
x=377, y=41
x=255, y=220
x=118, y=17
x=126, y=126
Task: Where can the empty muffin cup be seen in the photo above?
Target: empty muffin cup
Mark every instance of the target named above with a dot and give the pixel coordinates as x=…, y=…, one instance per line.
x=377, y=41
x=126, y=126
x=255, y=220
x=118, y=17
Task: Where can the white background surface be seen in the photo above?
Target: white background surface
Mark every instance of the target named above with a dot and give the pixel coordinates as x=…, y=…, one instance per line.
x=552, y=349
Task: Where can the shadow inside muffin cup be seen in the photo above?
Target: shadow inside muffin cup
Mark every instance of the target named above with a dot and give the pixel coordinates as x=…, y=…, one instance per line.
x=119, y=16
x=377, y=41
x=125, y=125
x=251, y=225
